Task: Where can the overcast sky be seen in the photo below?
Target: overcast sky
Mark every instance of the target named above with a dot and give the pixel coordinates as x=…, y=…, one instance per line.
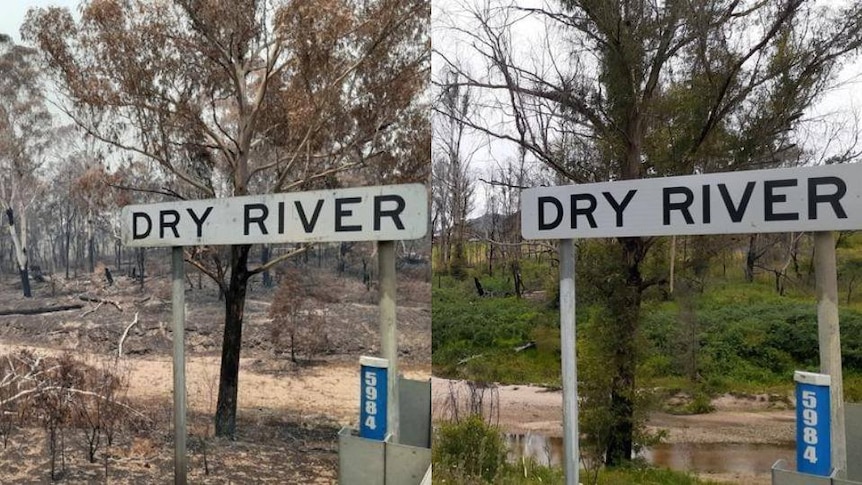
x=12, y=13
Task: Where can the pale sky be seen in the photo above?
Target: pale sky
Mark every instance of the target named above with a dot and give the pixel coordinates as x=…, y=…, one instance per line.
x=12, y=13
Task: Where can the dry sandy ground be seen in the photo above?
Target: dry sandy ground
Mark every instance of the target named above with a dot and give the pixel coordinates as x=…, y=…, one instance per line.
x=288, y=414
x=530, y=409
x=287, y=419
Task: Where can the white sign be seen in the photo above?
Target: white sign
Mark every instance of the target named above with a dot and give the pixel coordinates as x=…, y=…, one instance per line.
x=825, y=198
x=383, y=213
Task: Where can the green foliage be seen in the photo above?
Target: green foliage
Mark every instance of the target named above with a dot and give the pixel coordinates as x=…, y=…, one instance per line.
x=470, y=449
x=596, y=376
x=853, y=386
x=502, y=366
x=483, y=332
x=700, y=403
x=527, y=472
x=745, y=334
x=458, y=264
x=649, y=476
x=530, y=473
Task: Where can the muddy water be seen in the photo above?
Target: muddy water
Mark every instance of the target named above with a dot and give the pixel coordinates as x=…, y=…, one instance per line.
x=712, y=458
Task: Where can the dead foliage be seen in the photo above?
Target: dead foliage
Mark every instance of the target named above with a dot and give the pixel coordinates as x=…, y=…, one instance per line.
x=298, y=315
x=70, y=399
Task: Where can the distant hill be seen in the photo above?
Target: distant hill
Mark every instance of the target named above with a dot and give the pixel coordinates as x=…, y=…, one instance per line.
x=481, y=227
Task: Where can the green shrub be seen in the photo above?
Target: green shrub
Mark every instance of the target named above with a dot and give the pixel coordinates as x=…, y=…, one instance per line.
x=470, y=448
x=648, y=476
x=700, y=404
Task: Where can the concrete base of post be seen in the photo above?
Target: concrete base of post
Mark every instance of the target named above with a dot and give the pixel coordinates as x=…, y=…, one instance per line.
x=370, y=462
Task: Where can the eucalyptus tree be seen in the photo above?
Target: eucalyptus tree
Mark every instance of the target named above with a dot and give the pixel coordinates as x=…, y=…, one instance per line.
x=231, y=98
x=631, y=89
x=25, y=132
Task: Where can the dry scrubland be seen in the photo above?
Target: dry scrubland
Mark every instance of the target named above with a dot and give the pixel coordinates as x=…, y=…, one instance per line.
x=70, y=402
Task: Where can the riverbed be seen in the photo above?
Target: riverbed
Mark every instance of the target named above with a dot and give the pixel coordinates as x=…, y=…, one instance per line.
x=738, y=443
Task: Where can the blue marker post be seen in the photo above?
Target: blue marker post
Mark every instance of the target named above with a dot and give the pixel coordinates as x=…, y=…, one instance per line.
x=813, y=419
x=374, y=376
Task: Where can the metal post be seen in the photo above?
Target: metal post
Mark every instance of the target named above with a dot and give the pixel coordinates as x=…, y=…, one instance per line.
x=388, y=333
x=829, y=336
x=570, y=366
x=179, y=305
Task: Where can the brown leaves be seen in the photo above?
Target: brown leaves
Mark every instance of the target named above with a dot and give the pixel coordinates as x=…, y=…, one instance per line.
x=268, y=94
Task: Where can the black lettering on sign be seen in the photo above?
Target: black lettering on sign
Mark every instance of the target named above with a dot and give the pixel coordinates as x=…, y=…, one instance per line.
x=682, y=206
x=707, y=215
x=164, y=223
x=258, y=219
x=770, y=198
x=136, y=234
x=199, y=221
x=306, y=225
x=394, y=214
x=736, y=212
x=586, y=211
x=341, y=213
x=834, y=199
x=619, y=207
x=281, y=217
x=544, y=226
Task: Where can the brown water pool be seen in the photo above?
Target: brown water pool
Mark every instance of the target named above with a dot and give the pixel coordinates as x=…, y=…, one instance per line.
x=710, y=458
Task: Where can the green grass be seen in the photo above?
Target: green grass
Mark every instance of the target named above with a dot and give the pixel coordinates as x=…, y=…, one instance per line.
x=483, y=333
x=529, y=473
x=649, y=476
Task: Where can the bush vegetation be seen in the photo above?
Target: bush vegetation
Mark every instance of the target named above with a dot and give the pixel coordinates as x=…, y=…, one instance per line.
x=733, y=337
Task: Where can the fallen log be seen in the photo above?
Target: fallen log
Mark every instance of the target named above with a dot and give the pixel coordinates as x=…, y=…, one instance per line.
x=468, y=359
x=40, y=310
x=100, y=300
x=528, y=345
x=126, y=334
x=92, y=309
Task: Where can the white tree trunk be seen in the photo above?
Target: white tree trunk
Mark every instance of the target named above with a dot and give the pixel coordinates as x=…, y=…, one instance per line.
x=19, y=242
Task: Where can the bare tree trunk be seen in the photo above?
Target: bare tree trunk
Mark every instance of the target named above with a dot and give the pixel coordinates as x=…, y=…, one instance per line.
x=516, y=276
x=672, y=262
x=91, y=245
x=141, y=255
x=118, y=252
x=225, y=418
x=264, y=258
x=25, y=282
x=67, y=241
x=751, y=258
